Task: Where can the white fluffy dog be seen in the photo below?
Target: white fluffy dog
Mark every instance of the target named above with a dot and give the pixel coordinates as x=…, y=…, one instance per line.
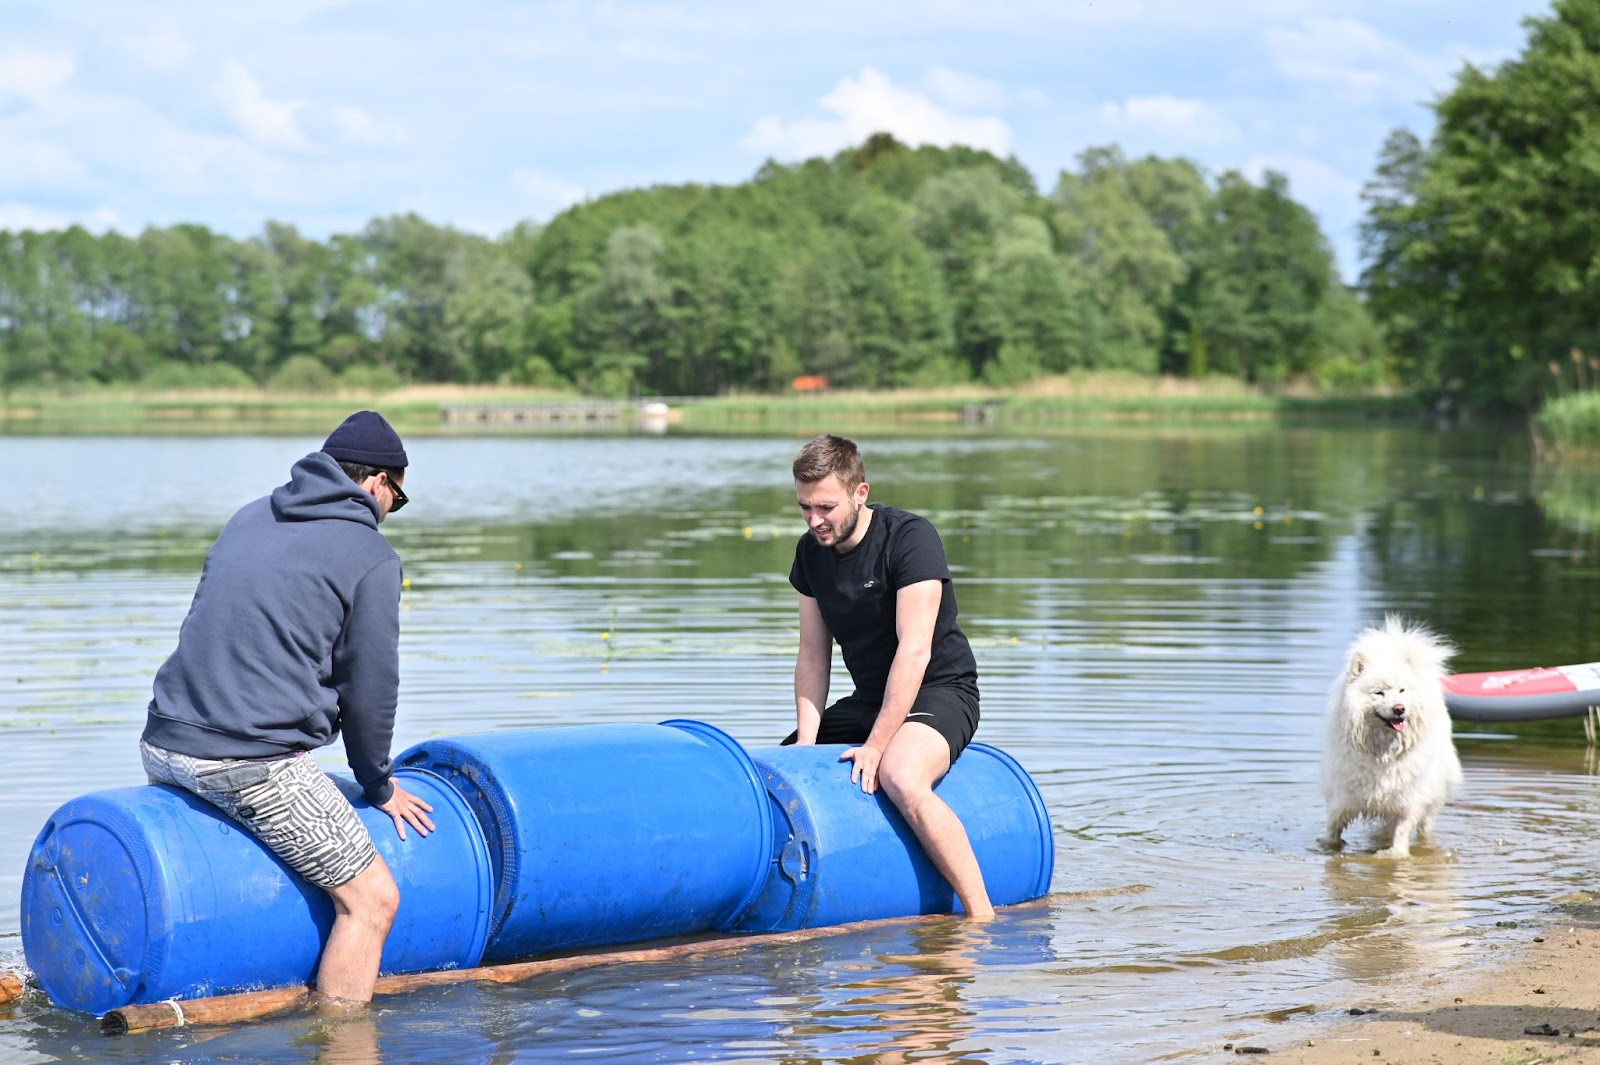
x=1388, y=754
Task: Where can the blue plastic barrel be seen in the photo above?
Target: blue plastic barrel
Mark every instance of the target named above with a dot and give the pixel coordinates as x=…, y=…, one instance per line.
x=842, y=855
x=609, y=833
x=142, y=894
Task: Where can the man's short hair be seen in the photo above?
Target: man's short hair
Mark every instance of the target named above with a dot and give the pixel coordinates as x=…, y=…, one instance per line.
x=829, y=454
x=360, y=471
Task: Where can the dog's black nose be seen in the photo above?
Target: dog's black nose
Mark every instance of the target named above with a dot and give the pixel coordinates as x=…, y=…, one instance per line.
x=1399, y=709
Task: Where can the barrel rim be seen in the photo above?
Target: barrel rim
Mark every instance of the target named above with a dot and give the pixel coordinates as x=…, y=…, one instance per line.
x=480, y=847
x=1047, y=864
x=758, y=788
x=504, y=862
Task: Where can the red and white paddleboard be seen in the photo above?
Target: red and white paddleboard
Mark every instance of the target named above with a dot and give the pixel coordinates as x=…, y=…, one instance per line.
x=1523, y=694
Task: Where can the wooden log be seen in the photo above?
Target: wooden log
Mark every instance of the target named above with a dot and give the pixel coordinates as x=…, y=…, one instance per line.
x=219, y=1009
x=254, y=1005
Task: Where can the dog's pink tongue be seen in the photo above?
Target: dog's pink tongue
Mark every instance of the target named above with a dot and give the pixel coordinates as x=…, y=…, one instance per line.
x=1398, y=724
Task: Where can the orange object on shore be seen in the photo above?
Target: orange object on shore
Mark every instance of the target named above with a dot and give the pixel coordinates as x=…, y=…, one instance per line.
x=810, y=383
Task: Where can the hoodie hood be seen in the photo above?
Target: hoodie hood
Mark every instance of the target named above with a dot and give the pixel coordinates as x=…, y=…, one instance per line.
x=318, y=490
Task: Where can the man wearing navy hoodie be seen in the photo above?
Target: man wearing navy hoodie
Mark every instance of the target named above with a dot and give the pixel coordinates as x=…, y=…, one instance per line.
x=293, y=637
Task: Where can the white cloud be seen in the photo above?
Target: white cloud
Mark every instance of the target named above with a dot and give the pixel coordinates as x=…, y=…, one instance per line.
x=355, y=126
x=1170, y=117
x=268, y=123
x=1310, y=179
x=1355, y=60
x=138, y=106
x=870, y=104
x=19, y=216
x=36, y=163
x=159, y=46
x=546, y=195
x=842, y=19
x=34, y=75
x=963, y=91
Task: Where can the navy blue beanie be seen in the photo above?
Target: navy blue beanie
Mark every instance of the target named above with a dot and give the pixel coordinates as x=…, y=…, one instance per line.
x=366, y=438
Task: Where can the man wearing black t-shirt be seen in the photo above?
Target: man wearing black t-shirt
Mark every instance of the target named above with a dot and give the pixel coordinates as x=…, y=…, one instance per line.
x=875, y=579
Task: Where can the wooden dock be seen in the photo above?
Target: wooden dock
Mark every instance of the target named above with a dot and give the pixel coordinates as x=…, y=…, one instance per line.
x=554, y=413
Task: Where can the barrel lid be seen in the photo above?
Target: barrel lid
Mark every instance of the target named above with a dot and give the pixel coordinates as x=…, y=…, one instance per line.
x=785, y=899
x=89, y=926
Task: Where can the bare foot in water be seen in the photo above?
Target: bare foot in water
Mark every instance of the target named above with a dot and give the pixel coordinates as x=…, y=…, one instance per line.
x=345, y=1034
x=337, y=1009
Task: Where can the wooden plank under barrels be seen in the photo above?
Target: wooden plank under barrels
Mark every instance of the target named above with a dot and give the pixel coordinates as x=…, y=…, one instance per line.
x=255, y=1005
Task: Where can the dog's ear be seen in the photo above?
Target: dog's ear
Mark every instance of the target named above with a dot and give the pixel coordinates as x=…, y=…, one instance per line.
x=1358, y=665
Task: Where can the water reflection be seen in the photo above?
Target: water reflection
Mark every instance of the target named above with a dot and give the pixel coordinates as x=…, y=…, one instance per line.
x=908, y=1006
x=344, y=1040
x=1395, y=916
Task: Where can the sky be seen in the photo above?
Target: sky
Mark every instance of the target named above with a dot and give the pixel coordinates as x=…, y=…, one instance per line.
x=123, y=114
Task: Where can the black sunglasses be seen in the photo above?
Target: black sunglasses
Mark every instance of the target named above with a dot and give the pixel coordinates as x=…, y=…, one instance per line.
x=400, y=497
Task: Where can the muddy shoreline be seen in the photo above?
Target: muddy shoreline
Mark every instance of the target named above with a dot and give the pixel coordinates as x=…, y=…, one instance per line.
x=1535, y=998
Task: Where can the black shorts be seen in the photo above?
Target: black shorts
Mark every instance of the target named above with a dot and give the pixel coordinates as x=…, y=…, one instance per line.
x=950, y=711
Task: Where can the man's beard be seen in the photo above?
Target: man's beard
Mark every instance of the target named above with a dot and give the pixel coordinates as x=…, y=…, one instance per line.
x=842, y=533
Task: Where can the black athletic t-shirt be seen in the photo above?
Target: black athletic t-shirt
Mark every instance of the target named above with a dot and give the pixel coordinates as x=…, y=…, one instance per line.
x=856, y=595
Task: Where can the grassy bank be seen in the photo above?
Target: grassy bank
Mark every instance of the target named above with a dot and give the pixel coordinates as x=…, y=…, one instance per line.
x=1052, y=403
x=1570, y=425
x=1057, y=403
x=226, y=411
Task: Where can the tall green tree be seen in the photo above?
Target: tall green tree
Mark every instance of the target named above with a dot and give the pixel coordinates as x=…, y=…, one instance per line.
x=411, y=262
x=623, y=314
x=1484, y=251
x=1125, y=262
x=1261, y=274
x=903, y=320
x=1042, y=318
x=1177, y=197
x=487, y=307
x=959, y=216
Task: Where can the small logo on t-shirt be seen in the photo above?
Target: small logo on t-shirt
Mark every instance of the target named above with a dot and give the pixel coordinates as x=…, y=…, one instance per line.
x=870, y=584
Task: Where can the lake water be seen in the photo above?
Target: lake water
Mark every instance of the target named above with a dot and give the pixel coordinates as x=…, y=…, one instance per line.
x=1158, y=616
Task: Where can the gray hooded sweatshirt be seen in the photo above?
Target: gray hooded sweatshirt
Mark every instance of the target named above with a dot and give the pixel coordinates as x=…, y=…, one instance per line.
x=293, y=635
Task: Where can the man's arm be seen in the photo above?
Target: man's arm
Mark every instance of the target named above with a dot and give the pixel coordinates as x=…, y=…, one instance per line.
x=366, y=674
x=916, y=612
x=812, y=665
x=367, y=677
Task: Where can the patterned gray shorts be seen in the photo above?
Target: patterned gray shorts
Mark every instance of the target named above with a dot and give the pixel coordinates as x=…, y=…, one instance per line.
x=288, y=803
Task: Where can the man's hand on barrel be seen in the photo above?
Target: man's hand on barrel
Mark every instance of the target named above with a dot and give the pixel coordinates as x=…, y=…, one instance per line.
x=403, y=807
x=864, y=767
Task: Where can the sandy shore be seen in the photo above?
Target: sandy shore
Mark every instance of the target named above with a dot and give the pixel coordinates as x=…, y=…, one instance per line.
x=1546, y=981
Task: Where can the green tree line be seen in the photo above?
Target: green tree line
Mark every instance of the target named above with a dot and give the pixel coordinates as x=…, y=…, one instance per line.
x=892, y=266
x=882, y=266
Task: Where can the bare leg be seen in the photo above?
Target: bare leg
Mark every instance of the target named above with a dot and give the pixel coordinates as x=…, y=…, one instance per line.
x=916, y=759
x=364, y=909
